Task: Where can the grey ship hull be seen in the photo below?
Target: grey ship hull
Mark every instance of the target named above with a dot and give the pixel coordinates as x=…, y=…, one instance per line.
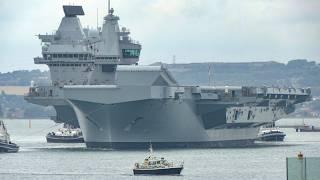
x=165, y=123
x=8, y=147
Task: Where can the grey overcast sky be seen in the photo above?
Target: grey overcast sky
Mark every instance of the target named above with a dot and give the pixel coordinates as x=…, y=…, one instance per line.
x=193, y=30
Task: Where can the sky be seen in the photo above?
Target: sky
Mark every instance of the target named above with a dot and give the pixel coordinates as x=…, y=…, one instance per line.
x=190, y=30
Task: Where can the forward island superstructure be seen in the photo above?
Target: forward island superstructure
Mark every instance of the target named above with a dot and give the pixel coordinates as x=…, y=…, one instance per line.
x=119, y=104
x=70, y=54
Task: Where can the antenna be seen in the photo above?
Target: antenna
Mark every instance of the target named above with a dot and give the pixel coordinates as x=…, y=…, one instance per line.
x=174, y=59
x=108, y=6
x=97, y=18
x=150, y=148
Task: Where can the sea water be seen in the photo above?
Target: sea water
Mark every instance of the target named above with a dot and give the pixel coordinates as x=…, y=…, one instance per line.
x=40, y=160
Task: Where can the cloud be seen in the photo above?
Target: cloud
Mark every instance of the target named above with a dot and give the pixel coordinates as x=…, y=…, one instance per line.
x=193, y=30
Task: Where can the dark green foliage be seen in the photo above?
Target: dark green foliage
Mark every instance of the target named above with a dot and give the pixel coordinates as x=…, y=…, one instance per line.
x=21, y=77
x=14, y=103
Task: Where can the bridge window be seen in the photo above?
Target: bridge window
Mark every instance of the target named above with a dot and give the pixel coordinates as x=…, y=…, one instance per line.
x=130, y=53
x=76, y=56
x=81, y=56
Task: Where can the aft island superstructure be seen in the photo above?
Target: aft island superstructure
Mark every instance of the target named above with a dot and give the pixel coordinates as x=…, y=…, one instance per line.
x=119, y=104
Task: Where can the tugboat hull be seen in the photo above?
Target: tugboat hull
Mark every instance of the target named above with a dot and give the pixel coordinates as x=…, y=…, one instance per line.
x=158, y=171
x=275, y=137
x=64, y=139
x=309, y=130
x=10, y=148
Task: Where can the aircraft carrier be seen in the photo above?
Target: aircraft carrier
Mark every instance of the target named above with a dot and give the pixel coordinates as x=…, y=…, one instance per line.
x=98, y=85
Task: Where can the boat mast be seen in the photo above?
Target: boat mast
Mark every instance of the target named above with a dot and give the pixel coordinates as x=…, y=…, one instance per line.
x=151, y=149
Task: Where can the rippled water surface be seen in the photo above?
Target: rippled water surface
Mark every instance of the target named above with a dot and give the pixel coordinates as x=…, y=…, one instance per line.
x=40, y=160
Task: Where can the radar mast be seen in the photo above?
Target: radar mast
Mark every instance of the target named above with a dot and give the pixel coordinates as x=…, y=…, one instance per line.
x=108, y=6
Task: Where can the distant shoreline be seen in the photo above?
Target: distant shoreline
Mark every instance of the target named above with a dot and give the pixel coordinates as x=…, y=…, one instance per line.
x=14, y=90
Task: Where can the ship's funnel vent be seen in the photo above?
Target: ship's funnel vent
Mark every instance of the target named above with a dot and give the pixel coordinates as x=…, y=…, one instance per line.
x=72, y=11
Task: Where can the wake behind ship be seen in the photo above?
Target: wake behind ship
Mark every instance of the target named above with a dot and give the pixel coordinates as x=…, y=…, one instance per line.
x=98, y=85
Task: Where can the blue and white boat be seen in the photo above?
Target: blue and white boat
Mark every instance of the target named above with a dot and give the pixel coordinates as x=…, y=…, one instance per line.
x=272, y=134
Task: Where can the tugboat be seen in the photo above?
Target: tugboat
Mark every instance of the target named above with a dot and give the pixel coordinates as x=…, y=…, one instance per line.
x=153, y=165
x=67, y=134
x=271, y=135
x=5, y=144
x=308, y=129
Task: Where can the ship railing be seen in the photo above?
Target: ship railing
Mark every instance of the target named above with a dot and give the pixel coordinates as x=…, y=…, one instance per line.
x=42, y=91
x=132, y=41
x=107, y=61
x=265, y=91
x=47, y=38
x=39, y=60
x=135, y=42
x=289, y=91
